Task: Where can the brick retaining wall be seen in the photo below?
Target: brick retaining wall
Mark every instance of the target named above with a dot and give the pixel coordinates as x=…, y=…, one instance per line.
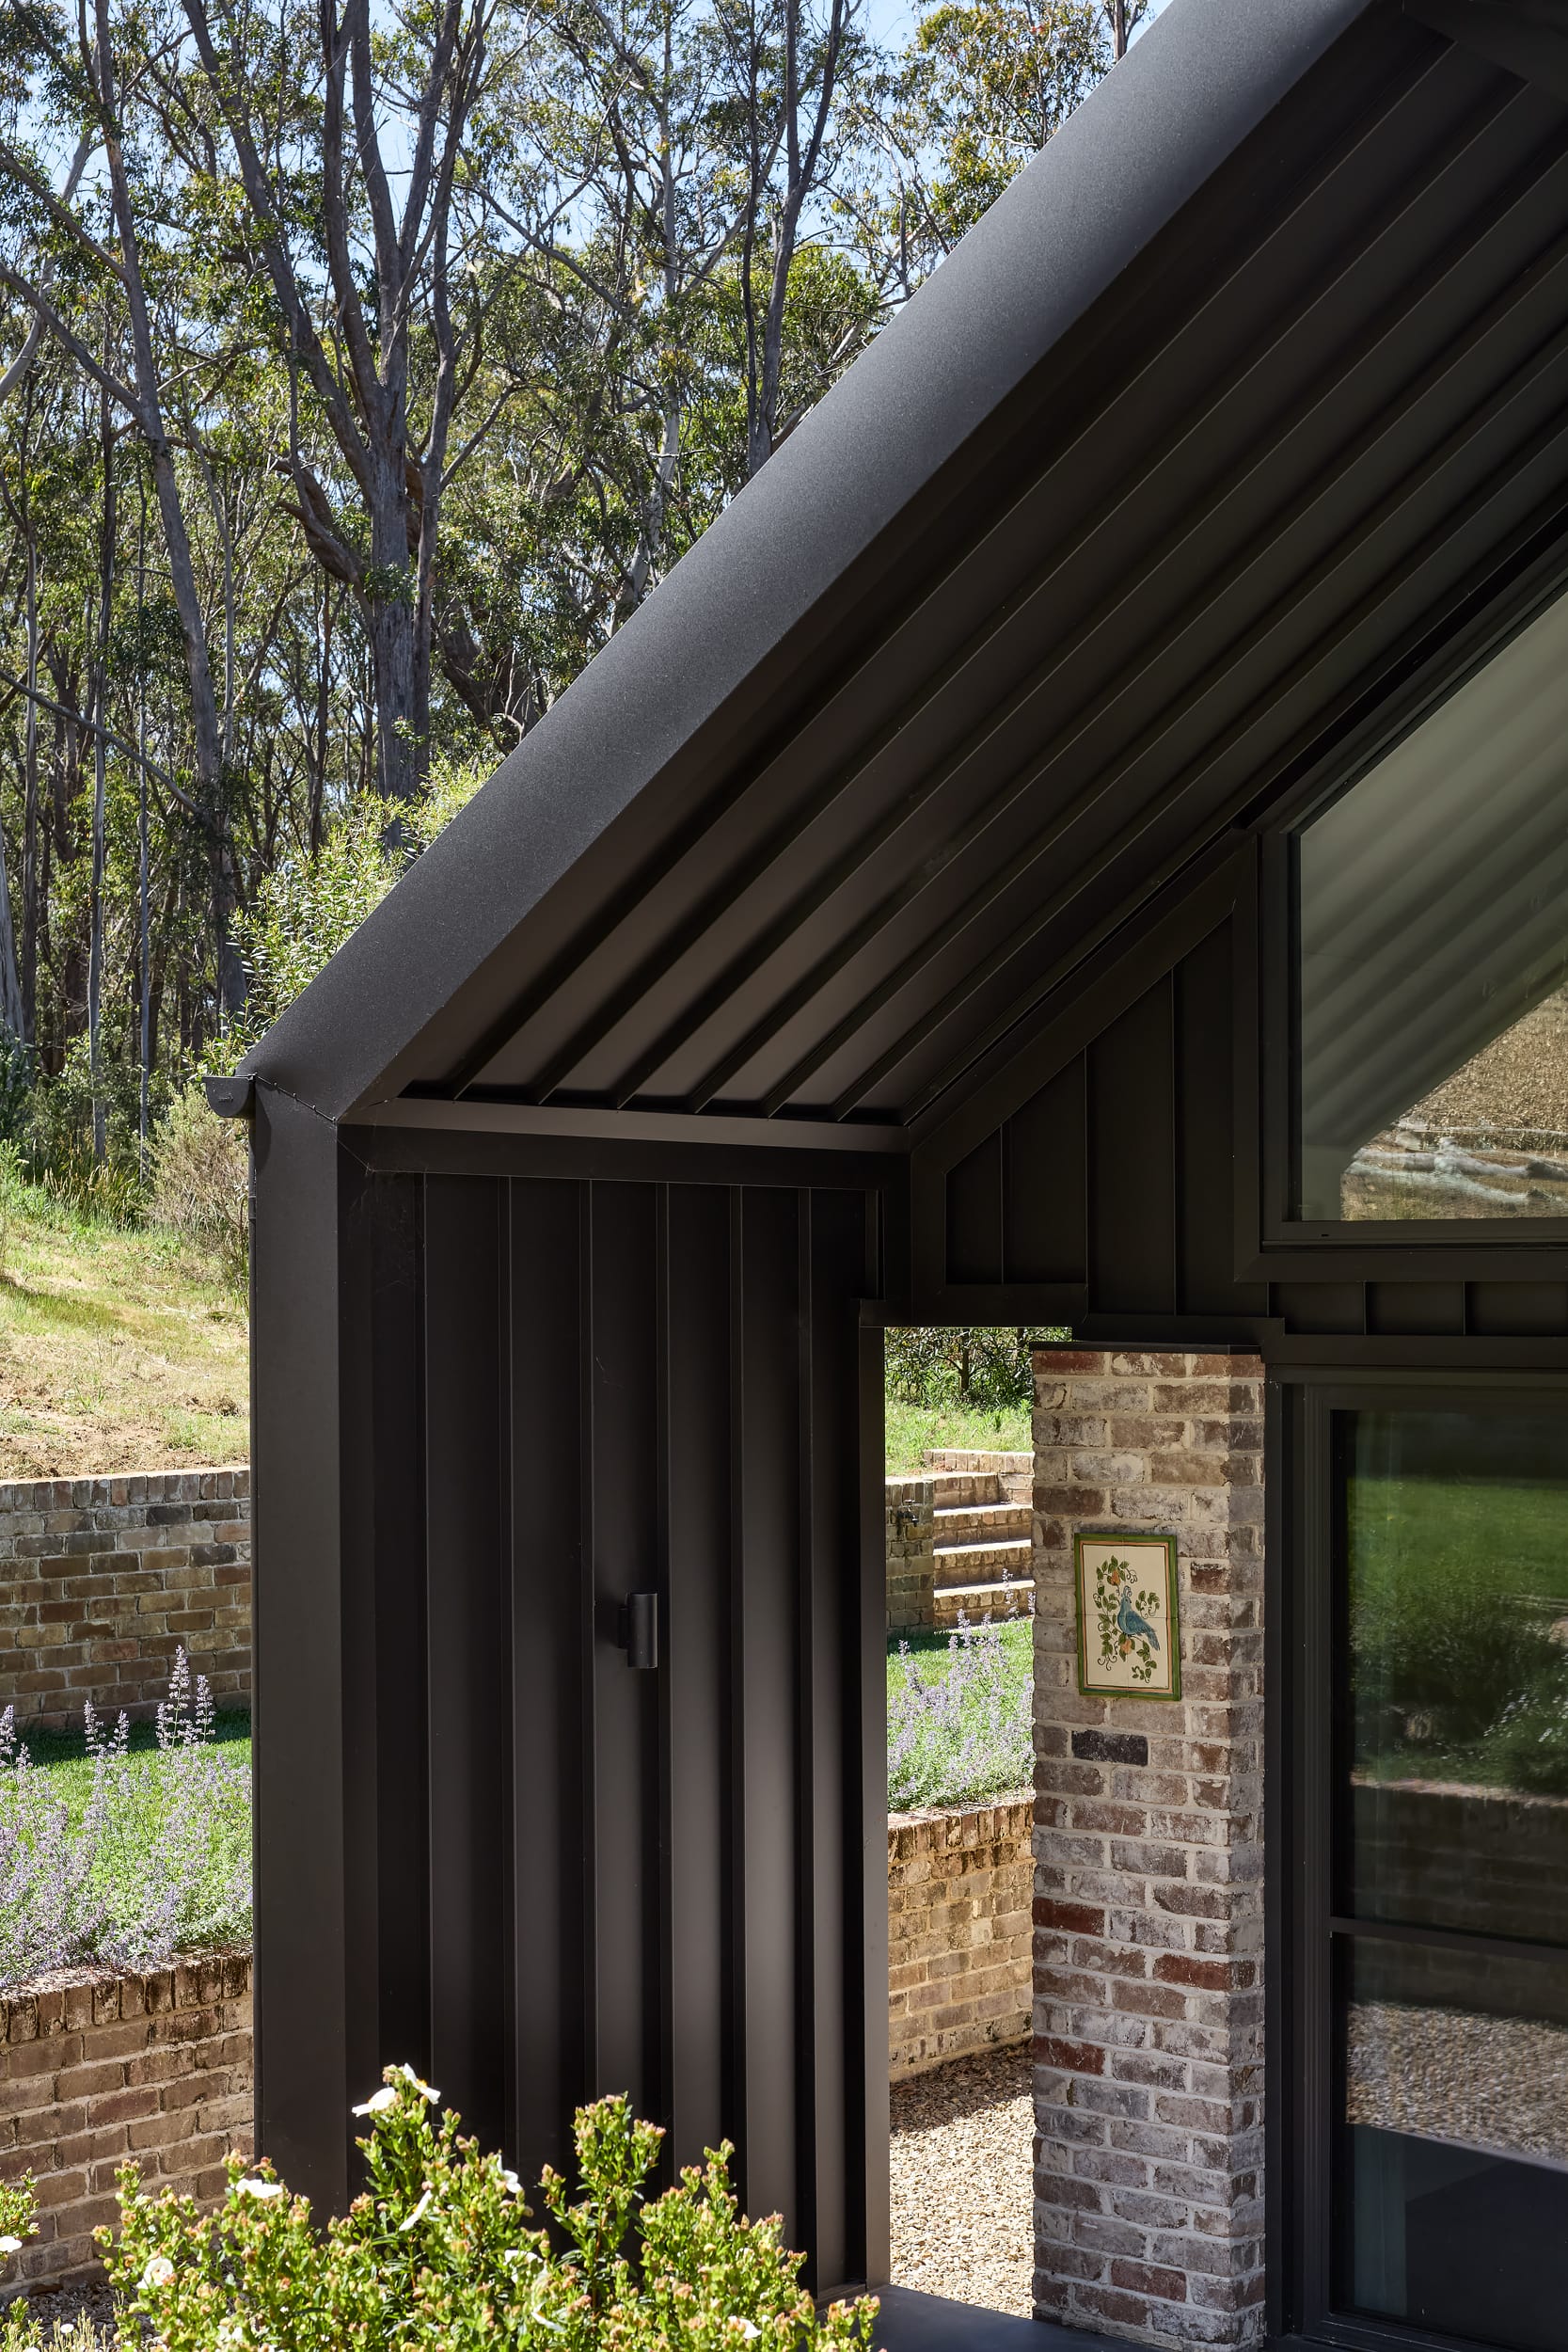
x=958, y=1956
x=156, y=2068
x=102, y=1579
x=1148, y=2023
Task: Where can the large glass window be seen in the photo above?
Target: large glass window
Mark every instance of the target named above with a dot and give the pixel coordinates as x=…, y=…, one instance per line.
x=1432, y=937
x=1450, y=1872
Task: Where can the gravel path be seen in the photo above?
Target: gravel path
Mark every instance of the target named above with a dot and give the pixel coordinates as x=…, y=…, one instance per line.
x=964, y=2141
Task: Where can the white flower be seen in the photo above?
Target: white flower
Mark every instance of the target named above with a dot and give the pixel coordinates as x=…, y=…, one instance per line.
x=231, y=2335
x=511, y=2181
x=158, y=2271
x=747, y=2326
x=9, y=2245
x=260, y=2189
x=379, y=2101
x=422, y=2087
x=418, y=2212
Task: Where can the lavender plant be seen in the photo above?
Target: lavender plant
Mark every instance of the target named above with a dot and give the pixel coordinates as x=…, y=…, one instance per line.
x=157, y=1862
x=963, y=1731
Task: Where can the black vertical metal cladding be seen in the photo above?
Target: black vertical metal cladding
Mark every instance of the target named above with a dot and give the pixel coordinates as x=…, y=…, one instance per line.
x=1046, y=1237
x=1133, y=1143
x=868, y=2190
x=468, y=1445
x=303, y=1779
x=974, y=1216
x=385, y=1733
x=767, y=1699
x=1205, y=1092
x=699, y=1830
x=550, y=1798
x=835, y=1275
x=623, y=1385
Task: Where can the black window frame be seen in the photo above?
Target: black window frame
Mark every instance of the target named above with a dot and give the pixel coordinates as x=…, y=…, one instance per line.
x=1272, y=1241
x=1304, y=1821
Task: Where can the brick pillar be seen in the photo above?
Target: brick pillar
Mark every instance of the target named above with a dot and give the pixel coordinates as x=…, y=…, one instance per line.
x=1148, y=1902
x=912, y=1560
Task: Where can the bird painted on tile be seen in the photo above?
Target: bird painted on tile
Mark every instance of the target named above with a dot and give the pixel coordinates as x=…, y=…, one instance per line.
x=1130, y=1622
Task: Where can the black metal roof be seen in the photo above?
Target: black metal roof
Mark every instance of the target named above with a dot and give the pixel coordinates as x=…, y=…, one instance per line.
x=1228, y=403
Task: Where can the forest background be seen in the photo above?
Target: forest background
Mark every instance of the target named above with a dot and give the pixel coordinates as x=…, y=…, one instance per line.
x=363, y=367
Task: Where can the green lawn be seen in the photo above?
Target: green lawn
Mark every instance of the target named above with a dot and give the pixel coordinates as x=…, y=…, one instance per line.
x=913, y=1428
x=63, y=1754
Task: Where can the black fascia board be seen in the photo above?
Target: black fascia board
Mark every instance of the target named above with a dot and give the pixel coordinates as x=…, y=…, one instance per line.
x=1198, y=83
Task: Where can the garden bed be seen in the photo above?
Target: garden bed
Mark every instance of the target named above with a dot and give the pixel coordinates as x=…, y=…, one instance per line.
x=961, y=1886
x=95, y=2068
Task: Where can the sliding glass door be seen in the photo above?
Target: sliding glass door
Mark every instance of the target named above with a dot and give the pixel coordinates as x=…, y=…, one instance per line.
x=1433, y=1919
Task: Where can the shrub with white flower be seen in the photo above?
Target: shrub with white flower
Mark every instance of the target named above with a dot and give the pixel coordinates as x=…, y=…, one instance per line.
x=441, y=2249
x=17, y=2218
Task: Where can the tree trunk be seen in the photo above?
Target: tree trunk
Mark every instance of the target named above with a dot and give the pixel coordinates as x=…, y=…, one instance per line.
x=389, y=594
x=205, y=724
x=100, y=768
x=30, y=814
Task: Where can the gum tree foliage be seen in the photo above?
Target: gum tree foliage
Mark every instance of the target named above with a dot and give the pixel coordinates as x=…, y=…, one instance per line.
x=975, y=1365
x=362, y=369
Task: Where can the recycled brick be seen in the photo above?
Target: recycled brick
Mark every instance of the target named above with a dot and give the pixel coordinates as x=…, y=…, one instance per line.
x=1148, y=1908
x=104, y=1577
x=99, y=2084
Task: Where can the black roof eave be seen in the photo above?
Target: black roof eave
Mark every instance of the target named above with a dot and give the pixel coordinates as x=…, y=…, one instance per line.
x=1199, y=83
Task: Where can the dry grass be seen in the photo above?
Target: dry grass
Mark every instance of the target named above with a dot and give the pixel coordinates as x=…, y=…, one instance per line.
x=119, y=1350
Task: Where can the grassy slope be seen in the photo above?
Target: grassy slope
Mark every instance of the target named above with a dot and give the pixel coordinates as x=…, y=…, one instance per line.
x=117, y=1350
x=911, y=1428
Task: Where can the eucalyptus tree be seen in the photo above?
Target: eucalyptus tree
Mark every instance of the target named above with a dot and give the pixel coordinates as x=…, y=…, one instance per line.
x=303, y=109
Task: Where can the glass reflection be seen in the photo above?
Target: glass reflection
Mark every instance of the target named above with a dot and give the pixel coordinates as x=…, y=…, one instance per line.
x=1454, y=1539
x=1454, y=2212
x=1433, y=915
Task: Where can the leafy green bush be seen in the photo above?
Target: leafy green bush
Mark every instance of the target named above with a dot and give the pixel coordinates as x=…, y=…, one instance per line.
x=201, y=1181
x=10, y=1186
x=1530, y=1741
x=440, y=2250
x=56, y=1137
x=308, y=906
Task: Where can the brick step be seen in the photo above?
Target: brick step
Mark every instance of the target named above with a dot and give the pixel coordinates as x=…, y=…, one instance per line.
x=1013, y=1597
x=967, y=1563
x=966, y=1490
x=990, y=1521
